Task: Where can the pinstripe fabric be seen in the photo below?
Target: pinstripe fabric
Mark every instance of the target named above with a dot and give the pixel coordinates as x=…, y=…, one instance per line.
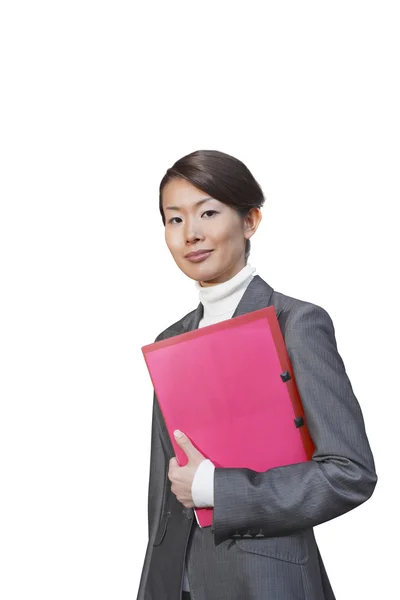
x=284, y=503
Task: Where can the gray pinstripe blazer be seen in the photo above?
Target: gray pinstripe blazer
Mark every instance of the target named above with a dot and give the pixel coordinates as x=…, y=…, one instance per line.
x=226, y=561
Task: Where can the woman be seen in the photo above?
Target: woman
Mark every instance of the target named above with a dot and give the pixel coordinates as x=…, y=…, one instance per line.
x=261, y=543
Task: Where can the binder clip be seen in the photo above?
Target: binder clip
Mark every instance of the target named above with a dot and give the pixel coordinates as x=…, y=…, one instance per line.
x=285, y=376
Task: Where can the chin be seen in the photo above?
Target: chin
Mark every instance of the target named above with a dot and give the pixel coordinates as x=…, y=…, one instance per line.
x=197, y=273
x=209, y=276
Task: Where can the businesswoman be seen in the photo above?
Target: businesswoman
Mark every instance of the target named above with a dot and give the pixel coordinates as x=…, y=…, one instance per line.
x=261, y=544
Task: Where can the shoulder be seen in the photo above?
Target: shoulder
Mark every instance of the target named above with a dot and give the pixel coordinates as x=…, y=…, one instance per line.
x=177, y=327
x=287, y=308
x=294, y=312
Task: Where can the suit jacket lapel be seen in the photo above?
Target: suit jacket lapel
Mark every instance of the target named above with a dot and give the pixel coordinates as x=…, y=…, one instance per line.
x=258, y=295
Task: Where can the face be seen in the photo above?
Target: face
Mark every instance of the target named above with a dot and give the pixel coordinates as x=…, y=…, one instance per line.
x=194, y=221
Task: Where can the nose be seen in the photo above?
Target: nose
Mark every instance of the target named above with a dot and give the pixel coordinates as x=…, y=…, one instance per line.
x=192, y=237
x=192, y=233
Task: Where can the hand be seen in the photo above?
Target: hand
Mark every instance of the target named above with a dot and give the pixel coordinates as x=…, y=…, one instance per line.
x=182, y=477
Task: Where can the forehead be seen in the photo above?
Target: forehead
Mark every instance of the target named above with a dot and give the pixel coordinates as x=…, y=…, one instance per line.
x=181, y=193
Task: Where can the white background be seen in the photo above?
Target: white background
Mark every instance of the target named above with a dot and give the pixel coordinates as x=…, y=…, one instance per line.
x=98, y=99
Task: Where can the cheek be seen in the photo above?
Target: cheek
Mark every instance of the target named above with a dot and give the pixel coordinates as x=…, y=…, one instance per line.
x=218, y=232
x=173, y=241
x=224, y=235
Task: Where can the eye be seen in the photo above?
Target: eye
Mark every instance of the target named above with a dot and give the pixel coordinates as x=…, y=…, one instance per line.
x=207, y=211
x=173, y=218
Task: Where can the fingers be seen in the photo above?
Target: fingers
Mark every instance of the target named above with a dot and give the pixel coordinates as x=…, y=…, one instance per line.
x=173, y=462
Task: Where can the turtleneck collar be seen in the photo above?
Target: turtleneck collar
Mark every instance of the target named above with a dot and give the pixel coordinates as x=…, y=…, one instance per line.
x=224, y=297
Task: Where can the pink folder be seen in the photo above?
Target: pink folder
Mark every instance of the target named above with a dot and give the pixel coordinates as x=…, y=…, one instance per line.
x=230, y=388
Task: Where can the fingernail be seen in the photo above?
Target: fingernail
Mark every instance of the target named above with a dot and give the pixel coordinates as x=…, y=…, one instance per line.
x=178, y=433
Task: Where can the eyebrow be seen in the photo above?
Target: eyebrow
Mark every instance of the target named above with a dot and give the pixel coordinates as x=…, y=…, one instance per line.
x=198, y=203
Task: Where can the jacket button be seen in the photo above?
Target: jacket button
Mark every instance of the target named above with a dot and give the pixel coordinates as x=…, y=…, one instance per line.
x=260, y=534
x=247, y=535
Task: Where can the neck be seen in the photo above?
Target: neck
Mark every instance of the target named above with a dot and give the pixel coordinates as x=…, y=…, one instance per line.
x=220, y=300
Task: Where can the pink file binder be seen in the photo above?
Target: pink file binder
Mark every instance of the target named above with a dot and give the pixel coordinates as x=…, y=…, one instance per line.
x=230, y=388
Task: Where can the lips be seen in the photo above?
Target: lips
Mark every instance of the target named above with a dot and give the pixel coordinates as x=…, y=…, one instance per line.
x=197, y=253
x=198, y=256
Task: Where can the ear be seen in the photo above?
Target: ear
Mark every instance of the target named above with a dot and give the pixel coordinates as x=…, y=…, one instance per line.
x=252, y=222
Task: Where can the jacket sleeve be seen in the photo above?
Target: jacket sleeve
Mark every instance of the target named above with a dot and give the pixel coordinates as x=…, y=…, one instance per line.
x=157, y=475
x=341, y=474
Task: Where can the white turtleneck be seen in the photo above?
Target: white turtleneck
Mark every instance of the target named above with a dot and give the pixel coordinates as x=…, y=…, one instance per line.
x=219, y=303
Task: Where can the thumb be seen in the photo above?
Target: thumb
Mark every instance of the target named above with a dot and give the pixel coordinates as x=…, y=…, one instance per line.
x=186, y=445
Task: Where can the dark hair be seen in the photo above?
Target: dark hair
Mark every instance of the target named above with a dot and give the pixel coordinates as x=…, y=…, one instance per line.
x=220, y=175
